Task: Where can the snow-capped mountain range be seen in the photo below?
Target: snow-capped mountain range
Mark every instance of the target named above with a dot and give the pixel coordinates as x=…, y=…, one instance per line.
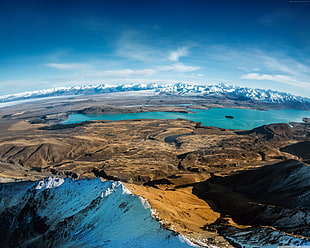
x=217, y=90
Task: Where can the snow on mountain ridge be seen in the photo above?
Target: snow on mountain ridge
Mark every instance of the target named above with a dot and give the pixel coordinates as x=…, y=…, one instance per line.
x=218, y=90
x=80, y=213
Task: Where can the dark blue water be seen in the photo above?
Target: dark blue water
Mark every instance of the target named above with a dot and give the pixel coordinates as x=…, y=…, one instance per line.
x=243, y=118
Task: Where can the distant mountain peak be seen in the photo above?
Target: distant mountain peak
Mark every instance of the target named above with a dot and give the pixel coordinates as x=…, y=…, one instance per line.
x=215, y=90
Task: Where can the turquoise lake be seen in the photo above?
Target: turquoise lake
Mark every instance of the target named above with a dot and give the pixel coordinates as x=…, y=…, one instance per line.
x=243, y=118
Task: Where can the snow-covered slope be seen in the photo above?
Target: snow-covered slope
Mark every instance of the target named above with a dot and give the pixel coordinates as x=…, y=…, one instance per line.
x=233, y=92
x=83, y=213
x=218, y=90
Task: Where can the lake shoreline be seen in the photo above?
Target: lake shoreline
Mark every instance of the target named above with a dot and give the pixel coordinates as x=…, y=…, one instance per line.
x=243, y=119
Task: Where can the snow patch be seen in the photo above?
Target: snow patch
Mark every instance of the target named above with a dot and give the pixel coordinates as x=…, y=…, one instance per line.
x=126, y=191
x=144, y=203
x=50, y=182
x=185, y=240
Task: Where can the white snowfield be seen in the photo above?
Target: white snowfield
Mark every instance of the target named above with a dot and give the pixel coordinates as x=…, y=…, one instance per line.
x=179, y=89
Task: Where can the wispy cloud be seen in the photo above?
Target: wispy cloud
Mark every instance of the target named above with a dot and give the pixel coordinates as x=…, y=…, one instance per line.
x=179, y=67
x=67, y=66
x=122, y=73
x=180, y=52
x=276, y=69
x=281, y=69
x=276, y=78
x=283, y=64
x=132, y=45
x=257, y=76
x=251, y=59
x=277, y=16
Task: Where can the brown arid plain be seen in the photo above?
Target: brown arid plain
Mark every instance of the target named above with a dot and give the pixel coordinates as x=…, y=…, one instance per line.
x=207, y=183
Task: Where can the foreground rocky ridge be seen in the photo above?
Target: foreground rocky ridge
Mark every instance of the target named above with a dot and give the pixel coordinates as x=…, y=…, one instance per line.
x=92, y=214
x=188, y=172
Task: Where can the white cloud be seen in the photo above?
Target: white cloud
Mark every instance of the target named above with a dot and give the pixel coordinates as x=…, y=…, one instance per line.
x=67, y=66
x=253, y=59
x=284, y=64
x=132, y=45
x=257, y=76
x=281, y=69
x=247, y=69
x=179, y=67
x=180, y=52
x=276, y=78
x=123, y=73
x=135, y=45
x=285, y=72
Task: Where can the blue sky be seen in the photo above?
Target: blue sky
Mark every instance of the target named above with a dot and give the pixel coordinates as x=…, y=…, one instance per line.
x=260, y=44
